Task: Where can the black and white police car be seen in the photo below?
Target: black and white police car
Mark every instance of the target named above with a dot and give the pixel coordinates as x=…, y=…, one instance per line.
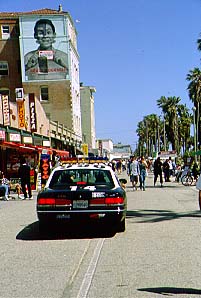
x=83, y=191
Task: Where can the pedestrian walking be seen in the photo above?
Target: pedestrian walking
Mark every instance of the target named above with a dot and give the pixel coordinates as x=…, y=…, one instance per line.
x=170, y=168
x=143, y=172
x=166, y=170
x=158, y=171
x=24, y=174
x=198, y=186
x=134, y=172
x=119, y=166
x=5, y=185
x=128, y=165
x=113, y=165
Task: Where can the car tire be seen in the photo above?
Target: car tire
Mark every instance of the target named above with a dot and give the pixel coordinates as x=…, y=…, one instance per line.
x=121, y=227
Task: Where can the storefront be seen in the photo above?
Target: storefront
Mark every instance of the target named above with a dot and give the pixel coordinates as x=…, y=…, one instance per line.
x=15, y=143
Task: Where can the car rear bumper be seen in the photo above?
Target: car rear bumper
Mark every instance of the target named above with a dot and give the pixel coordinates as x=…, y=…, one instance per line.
x=48, y=216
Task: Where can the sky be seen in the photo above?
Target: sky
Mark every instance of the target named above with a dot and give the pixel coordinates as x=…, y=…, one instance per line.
x=133, y=52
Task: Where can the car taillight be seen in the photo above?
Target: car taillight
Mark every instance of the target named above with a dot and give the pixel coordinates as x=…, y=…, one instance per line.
x=112, y=201
x=46, y=201
x=62, y=202
x=53, y=201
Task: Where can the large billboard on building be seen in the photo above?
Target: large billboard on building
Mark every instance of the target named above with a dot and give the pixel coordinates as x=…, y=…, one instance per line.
x=44, y=48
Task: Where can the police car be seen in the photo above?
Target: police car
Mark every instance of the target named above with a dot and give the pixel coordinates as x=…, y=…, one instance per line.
x=83, y=191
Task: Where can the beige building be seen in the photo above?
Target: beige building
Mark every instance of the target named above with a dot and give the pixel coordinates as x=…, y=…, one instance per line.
x=88, y=116
x=39, y=56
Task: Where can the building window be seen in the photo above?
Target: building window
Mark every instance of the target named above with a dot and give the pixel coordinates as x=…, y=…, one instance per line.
x=5, y=31
x=3, y=68
x=44, y=93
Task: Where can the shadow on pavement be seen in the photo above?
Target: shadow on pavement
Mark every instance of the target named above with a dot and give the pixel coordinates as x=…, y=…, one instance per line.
x=171, y=290
x=158, y=187
x=59, y=232
x=151, y=216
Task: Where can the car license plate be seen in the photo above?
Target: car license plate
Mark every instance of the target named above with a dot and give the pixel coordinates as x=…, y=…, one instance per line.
x=80, y=204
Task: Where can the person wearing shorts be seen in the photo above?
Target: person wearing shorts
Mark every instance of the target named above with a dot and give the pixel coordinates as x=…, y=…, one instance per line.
x=134, y=172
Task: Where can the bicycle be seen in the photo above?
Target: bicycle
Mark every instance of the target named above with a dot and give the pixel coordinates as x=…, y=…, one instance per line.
x=187, y=179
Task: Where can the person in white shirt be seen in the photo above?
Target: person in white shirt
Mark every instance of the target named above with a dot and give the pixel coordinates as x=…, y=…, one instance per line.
x=134, y=172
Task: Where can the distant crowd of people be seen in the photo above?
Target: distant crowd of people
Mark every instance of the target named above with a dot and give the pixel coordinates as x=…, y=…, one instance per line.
x=138, y=168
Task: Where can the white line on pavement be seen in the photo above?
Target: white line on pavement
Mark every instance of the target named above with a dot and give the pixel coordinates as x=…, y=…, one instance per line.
x=90, y=271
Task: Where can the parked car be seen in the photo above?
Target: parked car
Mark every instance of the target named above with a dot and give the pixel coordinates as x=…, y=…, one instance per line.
x=83, y=191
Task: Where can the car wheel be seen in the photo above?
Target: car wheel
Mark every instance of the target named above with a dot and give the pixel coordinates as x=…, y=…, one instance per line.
x=121, y=226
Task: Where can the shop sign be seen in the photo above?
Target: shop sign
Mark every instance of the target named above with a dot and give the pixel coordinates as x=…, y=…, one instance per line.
x=46, y=143
x=14, y=137
x=6, y=110
x=21, y=114
x=85, y=149
x=27, y=140
x=2, y=135
x=32, y=109
x=38, y=185
x=167, y=154
x=37, y=141
x=45, y=167
x=19, y=94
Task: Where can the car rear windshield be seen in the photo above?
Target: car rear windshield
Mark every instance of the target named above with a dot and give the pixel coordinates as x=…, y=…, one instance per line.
x=82, y=178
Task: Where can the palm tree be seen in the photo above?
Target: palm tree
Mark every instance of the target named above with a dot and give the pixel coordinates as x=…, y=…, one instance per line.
x=194, y=87
x=199, y=44
x=148, y=131
x=184, y=123
x=194, y=90
x=169, y=107
x=141, y=132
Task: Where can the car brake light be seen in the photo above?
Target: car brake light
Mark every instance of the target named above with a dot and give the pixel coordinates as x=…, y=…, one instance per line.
x=46, y=201
x=112, y=201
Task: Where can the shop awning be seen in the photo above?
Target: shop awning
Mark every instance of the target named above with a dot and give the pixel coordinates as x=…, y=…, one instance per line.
x=61, y=153
x=26, y=148
x=19, y=146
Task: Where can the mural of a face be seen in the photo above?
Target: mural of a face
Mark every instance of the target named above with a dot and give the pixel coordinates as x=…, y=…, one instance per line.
x=45, y=36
